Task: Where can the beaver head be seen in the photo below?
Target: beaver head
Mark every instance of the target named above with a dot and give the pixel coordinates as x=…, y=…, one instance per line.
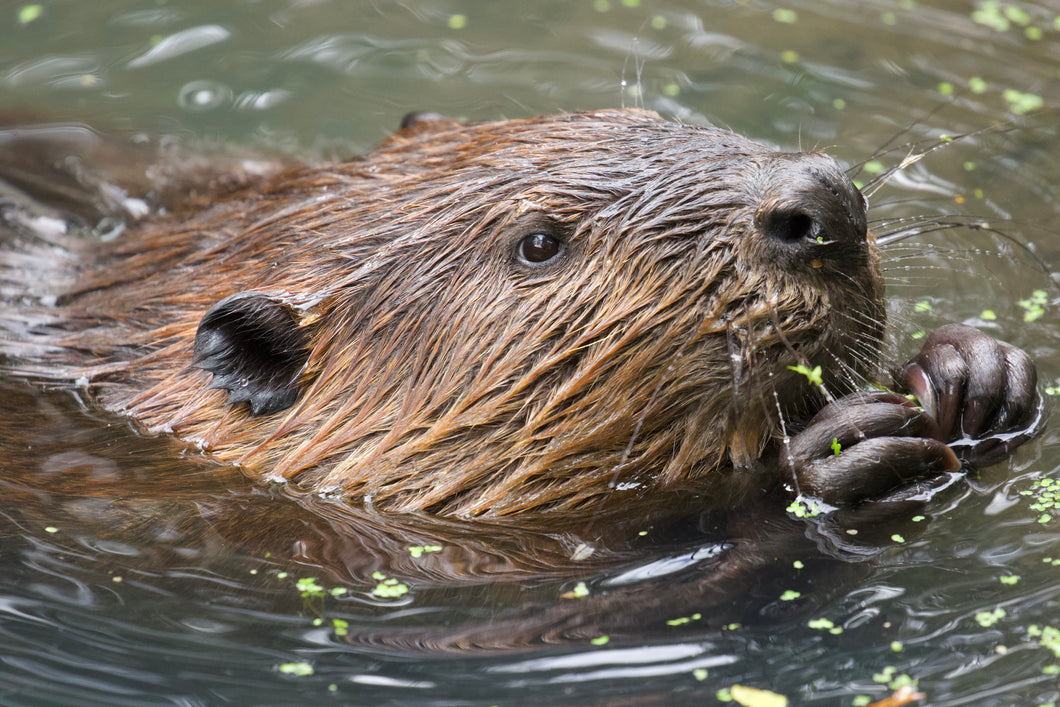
x=525, y=315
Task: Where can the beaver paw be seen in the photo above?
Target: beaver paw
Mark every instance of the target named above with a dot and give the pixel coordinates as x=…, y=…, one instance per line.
x=979, y=390
x=979, y=403
x=866, y=446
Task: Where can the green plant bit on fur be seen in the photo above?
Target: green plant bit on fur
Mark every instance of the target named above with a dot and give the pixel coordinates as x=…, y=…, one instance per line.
x=813, y=375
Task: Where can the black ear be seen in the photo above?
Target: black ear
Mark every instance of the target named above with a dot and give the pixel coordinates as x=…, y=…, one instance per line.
x=421, y=118
x=255, y=350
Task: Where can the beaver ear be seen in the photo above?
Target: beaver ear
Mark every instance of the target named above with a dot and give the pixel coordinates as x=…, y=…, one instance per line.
x=421, y=121
x=416, y=125
x=255, y=349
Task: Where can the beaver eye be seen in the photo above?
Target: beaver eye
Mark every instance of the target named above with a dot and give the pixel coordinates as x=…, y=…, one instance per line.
x=539, y=248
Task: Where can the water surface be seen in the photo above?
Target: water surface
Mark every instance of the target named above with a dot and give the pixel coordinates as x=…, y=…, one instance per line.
x=155, y=588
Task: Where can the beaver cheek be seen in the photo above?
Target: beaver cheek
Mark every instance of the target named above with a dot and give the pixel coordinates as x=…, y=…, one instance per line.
x=255, y=349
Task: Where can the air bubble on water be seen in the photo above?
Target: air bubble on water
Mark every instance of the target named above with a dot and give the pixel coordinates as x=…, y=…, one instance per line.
x=204, y=95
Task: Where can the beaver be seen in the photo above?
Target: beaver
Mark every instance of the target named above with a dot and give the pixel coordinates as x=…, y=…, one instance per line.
x=550, y=314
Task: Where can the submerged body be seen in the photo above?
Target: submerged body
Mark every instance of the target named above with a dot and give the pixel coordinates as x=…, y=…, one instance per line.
x=551, y=314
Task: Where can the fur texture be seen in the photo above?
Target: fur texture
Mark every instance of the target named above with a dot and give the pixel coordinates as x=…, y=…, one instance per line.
x=443, y=373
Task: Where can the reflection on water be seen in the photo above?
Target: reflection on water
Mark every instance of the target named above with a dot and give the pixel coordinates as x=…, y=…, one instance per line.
x=136, y=573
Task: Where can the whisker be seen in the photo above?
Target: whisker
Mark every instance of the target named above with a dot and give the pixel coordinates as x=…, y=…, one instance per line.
x=735, y=367
x=884, y=223
x=901, y=234
x=799, y=356
x=785, y=440
x=847, y=372
x=904, y=234
x=919, y=199
x=882, y=149
x=913, y=156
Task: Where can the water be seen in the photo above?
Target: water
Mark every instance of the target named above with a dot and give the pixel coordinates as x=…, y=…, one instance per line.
x=133, y=574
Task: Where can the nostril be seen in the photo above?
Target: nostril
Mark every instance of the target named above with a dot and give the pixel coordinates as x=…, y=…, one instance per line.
x=789, y=226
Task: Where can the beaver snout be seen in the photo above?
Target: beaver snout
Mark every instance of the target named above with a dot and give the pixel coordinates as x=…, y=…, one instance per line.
x=811, y=212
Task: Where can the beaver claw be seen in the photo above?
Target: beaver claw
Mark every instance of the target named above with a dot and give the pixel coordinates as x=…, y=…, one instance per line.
x=981, y=391
x=979, y=403
x=865, y=446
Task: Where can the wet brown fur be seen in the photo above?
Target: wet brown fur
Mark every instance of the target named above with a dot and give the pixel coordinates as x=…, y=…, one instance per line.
x=444, y=376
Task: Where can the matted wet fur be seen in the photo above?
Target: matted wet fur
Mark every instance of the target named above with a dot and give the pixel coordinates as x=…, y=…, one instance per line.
x=431, y=368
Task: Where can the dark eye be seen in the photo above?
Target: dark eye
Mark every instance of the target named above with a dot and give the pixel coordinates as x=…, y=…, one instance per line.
x=539, y=248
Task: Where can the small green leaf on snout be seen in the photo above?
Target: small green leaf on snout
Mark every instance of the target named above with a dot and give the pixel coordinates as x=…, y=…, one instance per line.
x=814, y=375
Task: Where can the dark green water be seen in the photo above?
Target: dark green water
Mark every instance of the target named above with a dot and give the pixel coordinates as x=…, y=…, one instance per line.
x=136, y=600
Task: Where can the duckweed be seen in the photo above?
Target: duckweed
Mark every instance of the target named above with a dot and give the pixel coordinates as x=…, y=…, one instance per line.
x=309, y=588
x=388, y=587
x=1046, y=493
x=579, y=591
x=28, y=13
x=889, y=676
x=417, y=551
x=756, y=697
x=986, y=619
x=802, y=510
x=1048, y=637
x=1021, y=103
x=300, y=670
x=684, y=620
x=823, y=624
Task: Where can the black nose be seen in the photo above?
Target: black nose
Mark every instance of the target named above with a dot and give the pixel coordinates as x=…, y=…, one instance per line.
x=810, y=211
x=788, y=224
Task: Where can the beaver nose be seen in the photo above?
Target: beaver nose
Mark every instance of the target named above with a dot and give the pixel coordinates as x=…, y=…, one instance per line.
x=810, y=211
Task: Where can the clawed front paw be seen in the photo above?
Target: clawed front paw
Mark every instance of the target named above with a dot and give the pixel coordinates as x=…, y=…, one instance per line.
x=865, y=446
x=981, y=391
x=978, y=400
